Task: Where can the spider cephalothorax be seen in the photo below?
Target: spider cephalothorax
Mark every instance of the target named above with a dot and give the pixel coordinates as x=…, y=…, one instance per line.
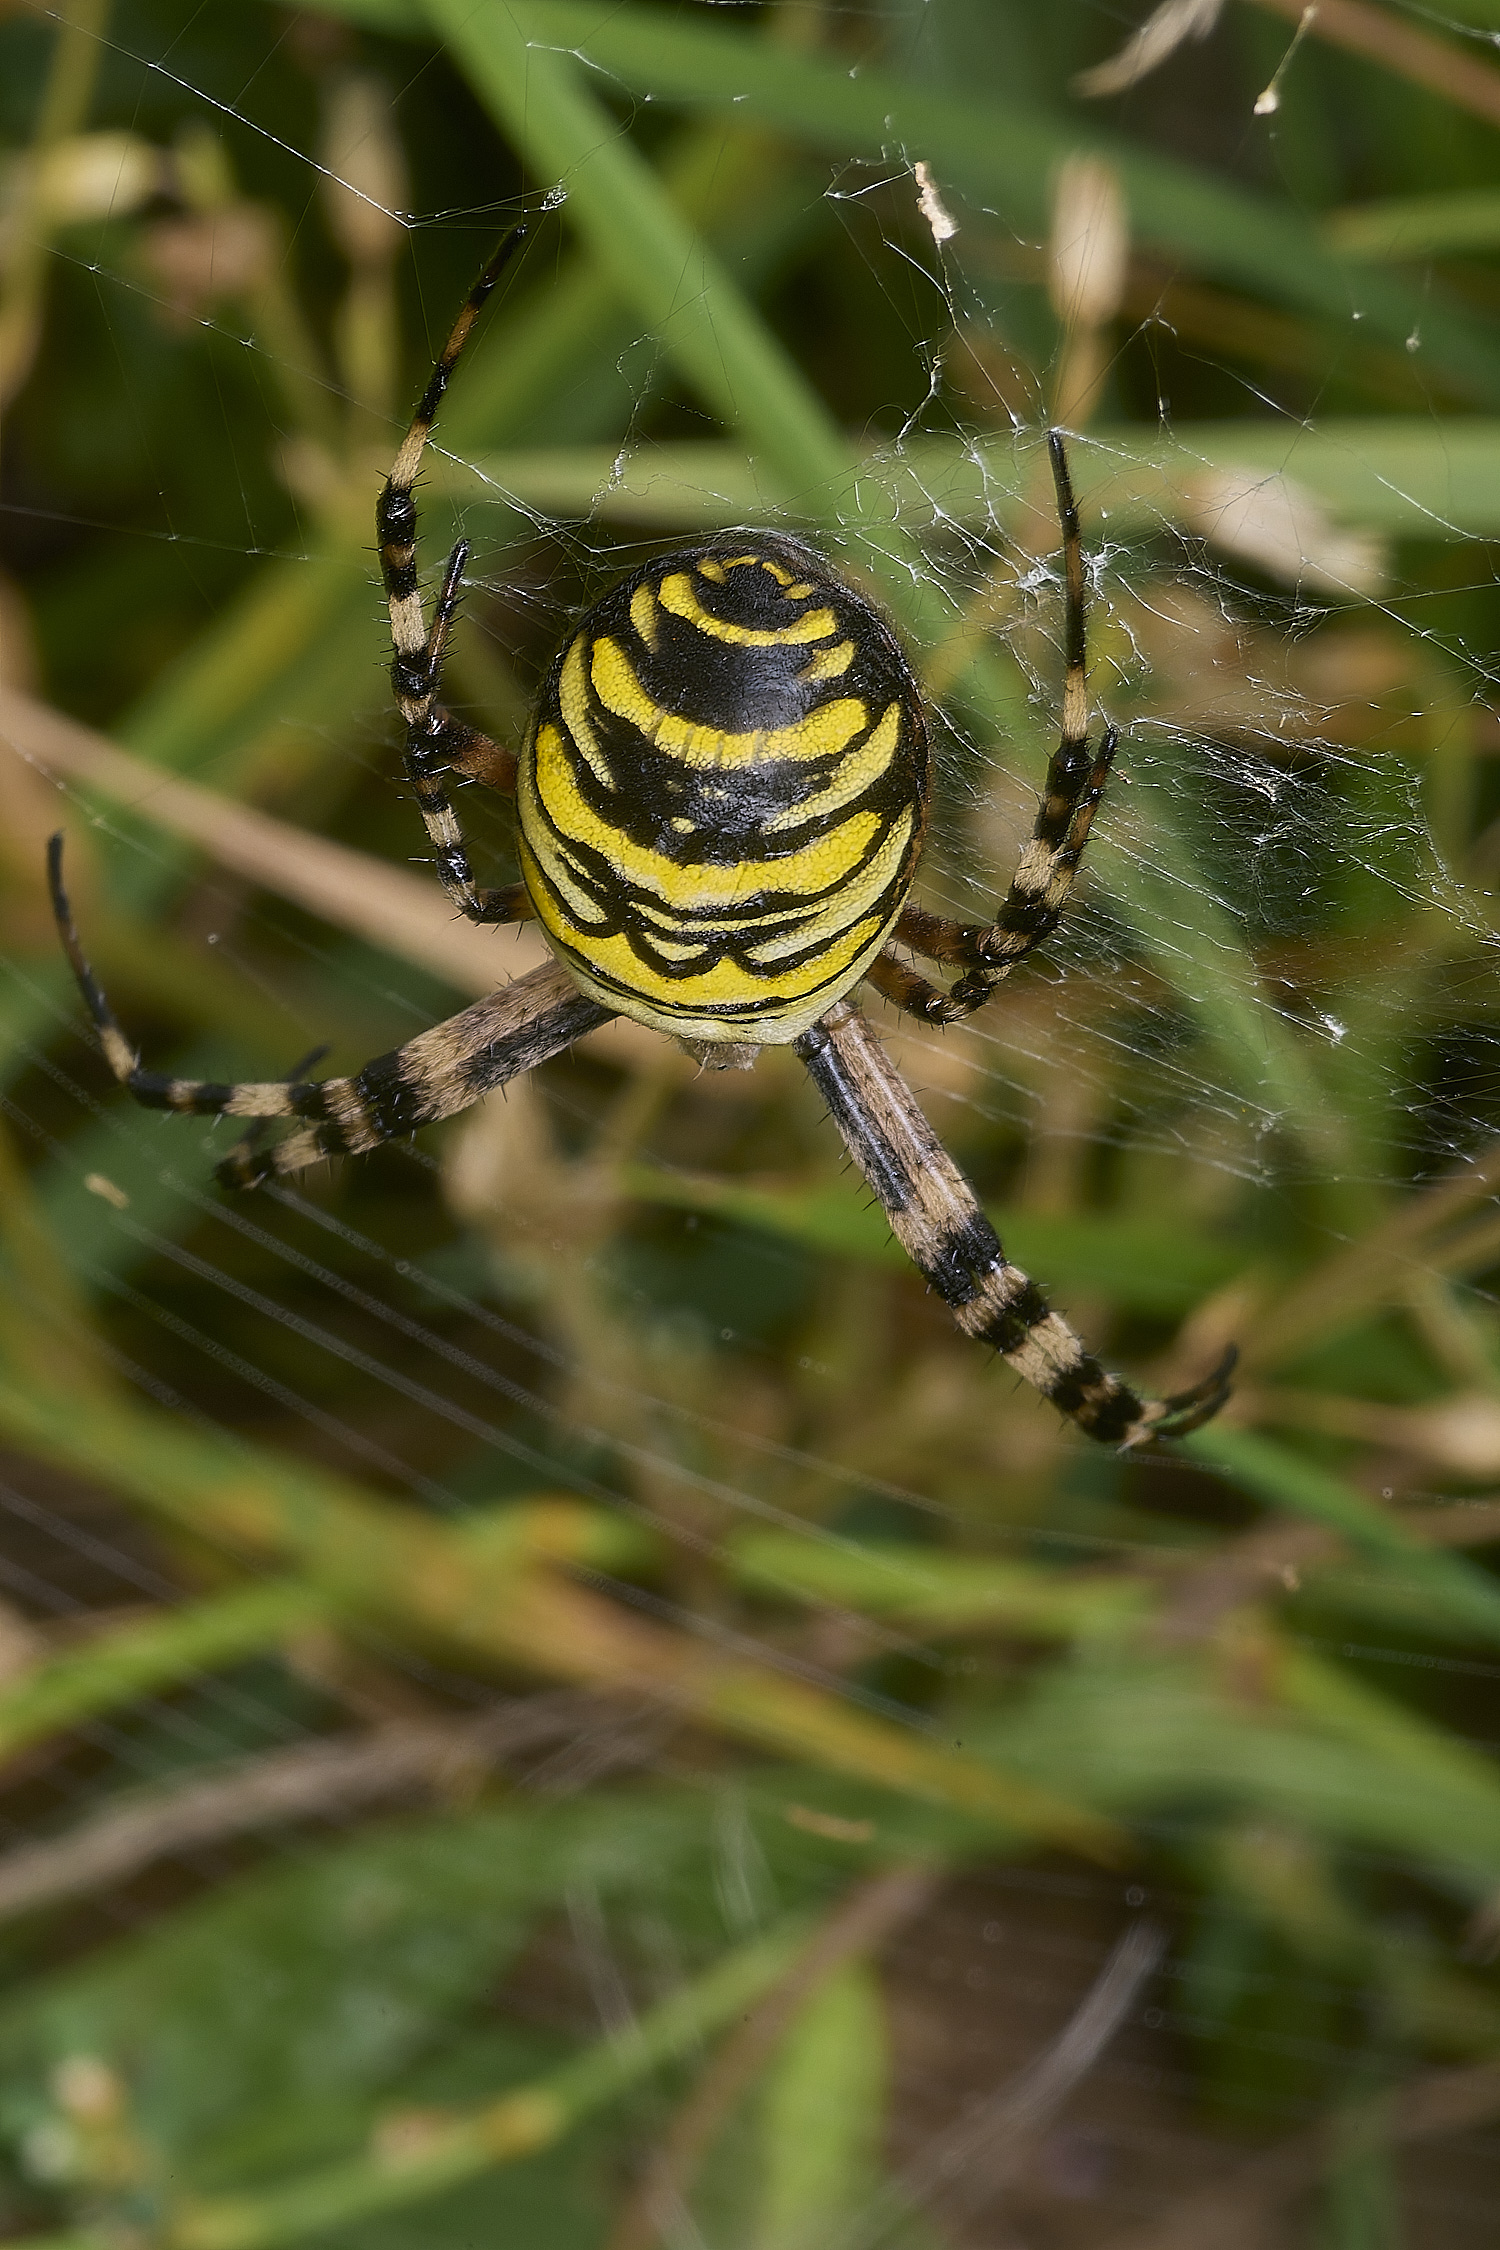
x=721, y=803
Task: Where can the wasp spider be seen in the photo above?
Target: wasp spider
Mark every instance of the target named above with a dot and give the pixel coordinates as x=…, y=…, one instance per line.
x=721, y=806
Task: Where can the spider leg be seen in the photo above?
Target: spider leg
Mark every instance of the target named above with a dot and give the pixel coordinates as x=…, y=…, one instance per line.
x=448, y=742
x=937, y=1219
x=254, y=1134
x=434, y=1075
x=436, y=742
x=914, y=994
x=442, y=744
x=1033, y=906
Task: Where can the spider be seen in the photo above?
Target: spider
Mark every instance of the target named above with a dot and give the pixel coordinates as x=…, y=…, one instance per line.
x=721, y=805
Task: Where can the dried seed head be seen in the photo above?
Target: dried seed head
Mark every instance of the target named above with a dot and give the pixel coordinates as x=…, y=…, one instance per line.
x=1090, y=243
x=100, y=176
x=1162, y=33
x=1280, y=527
x=87, y=2090
x=932, y=207
x=365, y=173
x=198, y=261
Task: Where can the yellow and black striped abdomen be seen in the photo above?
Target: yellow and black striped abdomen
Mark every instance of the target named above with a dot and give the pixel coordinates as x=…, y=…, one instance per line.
x=723, y=796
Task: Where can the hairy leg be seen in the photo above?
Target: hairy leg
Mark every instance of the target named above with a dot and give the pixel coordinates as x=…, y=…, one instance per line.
x=434, y=1075
x=936, y=1217
x=436, y=742
x=1033, y=906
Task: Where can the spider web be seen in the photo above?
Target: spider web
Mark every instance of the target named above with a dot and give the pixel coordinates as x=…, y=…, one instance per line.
x=1265, y=1026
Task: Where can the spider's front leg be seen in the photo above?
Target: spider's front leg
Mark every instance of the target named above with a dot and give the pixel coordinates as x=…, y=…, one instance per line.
x=1033, y=906
x=936, y=1217
x=436, y=742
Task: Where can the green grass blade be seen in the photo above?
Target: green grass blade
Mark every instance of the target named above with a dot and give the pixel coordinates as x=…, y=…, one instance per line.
x=1006, y=153
x=1417, y=226
x=681, y=290
x=1283, y=1479
x=493, y=1589
x=504, y=2131
x=821, y=2112
x=1010, y=155
x=137, y=1660
x=932, y=1590
x=719, y=342
x=1193, y=943
x=1406, y=478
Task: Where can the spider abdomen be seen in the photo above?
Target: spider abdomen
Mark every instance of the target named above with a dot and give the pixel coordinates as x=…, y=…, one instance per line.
x=723, y=796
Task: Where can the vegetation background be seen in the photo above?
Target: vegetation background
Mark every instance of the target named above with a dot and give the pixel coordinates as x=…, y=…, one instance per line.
x=546, y=1695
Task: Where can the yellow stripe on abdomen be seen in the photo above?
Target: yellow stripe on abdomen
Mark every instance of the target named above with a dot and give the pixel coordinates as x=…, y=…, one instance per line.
x=828, y=859
x=678, y=594
x=721, y=806
x=728, y=1000
x=822, y=734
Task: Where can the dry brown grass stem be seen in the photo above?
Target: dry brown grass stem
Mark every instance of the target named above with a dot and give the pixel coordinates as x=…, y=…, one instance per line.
x=326, y=1779
x=495, y=1591
x=1368, y=1272
x=1374, y=33
x=1275, y=1557
x=401, y=912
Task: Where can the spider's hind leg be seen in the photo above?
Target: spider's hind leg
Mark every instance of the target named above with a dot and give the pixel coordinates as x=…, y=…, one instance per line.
x=254, y=1135
x=154, y=1089
x=936, y=1217
x=437, y=1074
x=434, y=1075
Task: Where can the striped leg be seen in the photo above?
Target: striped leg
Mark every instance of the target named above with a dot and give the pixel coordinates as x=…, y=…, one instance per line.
x=1034, y=904
x=936, y=1218
x=914, y=994
x=434, y=1075
x=436, y=742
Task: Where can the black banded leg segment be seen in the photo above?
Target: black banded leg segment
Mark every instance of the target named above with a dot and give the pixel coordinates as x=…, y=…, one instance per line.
x=254, y=1134
x=914, y=994
x=434, y=1075
x=442, y=745
x=153, y=1089
x=436, y=742
x=438, y=745
x=1033, y=906
x=118, y=1052
x=396, y=515
x=445, y=743
x=936, y=1217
